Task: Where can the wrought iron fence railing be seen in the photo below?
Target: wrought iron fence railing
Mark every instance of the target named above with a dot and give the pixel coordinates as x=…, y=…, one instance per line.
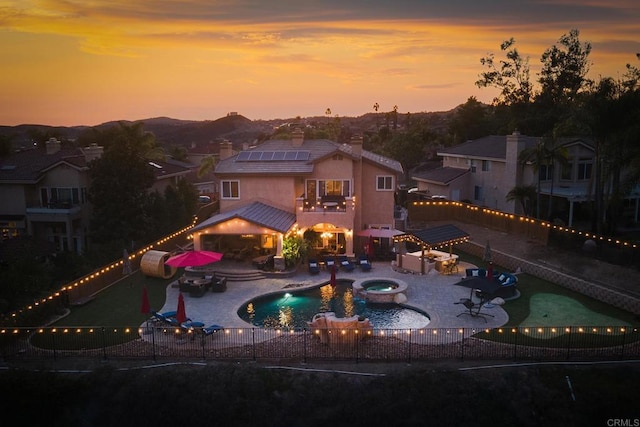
x=159, y=342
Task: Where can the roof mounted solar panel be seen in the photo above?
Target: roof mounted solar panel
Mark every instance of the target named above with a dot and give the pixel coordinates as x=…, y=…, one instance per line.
x=255, y=155
x=243, y=156
x=279, y=155
x=302, y=155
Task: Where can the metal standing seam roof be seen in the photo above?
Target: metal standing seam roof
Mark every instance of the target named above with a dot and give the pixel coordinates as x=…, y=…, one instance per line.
x=317, y=148
x=435, y=236
x=257, y=213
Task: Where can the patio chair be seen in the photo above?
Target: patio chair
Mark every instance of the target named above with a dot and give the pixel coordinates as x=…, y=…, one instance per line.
x=314, y=268
x=345, y=263
x=329, y=261
x=470, y=306
x=364, y=263
x=212, y=329
x=163, y=317
x=218, y=284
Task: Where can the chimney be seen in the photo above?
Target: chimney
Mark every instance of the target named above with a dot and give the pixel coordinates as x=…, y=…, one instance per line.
x=297, y=137
x=92, y=152
x=53, y=145
x=513, y=170
x=226, y=149
x=356, y=145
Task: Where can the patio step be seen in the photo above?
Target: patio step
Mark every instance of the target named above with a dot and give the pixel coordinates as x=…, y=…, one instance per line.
x=240, y=275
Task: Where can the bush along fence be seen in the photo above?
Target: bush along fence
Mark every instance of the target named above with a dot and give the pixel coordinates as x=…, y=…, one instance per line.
x=152, y=342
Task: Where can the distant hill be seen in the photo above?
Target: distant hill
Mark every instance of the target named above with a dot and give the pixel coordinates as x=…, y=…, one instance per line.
x=236, y=128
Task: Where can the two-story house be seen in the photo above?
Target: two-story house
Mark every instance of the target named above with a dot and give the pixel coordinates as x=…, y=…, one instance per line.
x=44, y=193
x=484, y=170
x=312, y=187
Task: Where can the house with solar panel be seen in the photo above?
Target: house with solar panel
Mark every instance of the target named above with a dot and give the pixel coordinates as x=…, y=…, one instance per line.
x=310, y=187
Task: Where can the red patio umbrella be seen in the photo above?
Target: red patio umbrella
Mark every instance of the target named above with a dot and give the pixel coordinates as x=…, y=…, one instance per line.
x=333, y=276
x=194, y=258
x=181, y=315
x=145, y=308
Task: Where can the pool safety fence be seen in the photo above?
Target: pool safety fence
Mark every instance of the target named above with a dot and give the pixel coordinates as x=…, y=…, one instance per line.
x=257, y=344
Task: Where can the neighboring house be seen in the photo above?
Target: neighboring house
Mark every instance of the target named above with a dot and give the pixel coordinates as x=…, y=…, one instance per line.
x=44, y=193
x=484, y=170
x=317, y=187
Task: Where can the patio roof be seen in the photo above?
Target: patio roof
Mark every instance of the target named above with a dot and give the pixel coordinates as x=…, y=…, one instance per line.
x=443, y=235
x=257, y=213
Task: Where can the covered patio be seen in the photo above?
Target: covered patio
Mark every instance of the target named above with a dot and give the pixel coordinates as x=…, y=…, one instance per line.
x=429, y=241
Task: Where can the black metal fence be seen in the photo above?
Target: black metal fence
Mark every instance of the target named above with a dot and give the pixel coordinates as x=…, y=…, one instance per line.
x=164, y=343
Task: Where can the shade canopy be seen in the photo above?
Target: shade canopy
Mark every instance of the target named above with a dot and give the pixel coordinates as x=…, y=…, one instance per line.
x=194, y=259
x=436, y=236
x=379, y=232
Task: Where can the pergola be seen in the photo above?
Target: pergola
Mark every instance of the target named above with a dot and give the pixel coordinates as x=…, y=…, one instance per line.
x=433, y=238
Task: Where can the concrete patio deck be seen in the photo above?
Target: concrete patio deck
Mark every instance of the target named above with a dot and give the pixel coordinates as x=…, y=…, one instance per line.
x=432, y=293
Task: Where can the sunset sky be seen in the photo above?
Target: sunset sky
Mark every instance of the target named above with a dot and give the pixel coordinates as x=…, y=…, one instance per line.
x=85, y=62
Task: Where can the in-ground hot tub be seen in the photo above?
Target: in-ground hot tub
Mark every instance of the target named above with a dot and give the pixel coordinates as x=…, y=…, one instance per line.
x=380, y=290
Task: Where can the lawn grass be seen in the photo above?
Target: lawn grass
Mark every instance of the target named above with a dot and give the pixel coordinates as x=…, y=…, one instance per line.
x=519, y=310
x=119, y=304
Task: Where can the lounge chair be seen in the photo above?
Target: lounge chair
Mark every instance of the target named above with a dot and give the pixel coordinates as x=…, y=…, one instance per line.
x=364, y=263
x=314, y=268
x=163, y=317
x=209, y=330
x=345, y=263
x=329, y=262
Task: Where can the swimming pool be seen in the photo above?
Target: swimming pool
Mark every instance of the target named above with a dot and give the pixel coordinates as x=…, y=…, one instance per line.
x=293, y=309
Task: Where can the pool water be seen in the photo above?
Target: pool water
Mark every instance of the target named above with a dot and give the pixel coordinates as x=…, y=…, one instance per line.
x=291, y=309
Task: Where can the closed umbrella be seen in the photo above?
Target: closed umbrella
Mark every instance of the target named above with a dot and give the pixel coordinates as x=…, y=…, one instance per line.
x=126, y=263
x=487, y=253
x=194, y=258
x=490, y=271
x=145, y=307
x=181, y=314
x=333, y=276
x=371, y=248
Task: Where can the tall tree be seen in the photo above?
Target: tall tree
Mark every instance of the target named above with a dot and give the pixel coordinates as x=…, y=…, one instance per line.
x=511, y=76
x=120, y=180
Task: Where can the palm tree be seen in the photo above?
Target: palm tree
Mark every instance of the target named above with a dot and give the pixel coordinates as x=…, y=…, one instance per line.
x=547, y=152
x=556, y=154
x=536, y=156
x=524, y=194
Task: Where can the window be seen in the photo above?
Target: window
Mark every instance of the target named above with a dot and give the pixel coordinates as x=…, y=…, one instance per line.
x=584, y=169
x=566, y=171
x=230, y=189
x=486, y=166
x=478, y=193
x=472, y=164
x=546, y=172
x=384, y=183
x=336, y=187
